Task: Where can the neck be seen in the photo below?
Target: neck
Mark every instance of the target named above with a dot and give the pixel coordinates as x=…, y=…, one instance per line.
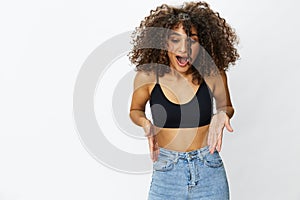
x=180, y=75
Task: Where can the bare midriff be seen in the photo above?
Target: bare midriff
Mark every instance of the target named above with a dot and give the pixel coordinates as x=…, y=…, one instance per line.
x=182, y=139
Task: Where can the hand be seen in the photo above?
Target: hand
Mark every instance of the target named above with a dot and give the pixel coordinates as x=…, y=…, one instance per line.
x=215, y=132
x=153, y=146
x=149, y=130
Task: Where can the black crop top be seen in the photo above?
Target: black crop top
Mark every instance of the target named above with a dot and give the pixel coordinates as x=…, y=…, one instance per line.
x=195, y=113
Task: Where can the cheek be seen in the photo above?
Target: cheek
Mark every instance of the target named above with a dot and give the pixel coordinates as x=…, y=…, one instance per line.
x=195, y=51
x=171, y=48
x=171, y=56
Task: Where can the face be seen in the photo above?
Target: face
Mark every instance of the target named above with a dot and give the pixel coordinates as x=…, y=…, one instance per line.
x=178, y=49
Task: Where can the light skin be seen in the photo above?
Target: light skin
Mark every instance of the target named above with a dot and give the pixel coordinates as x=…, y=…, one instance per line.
x=178, y=88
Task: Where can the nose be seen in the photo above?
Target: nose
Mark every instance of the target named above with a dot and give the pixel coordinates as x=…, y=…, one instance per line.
x=183, y=46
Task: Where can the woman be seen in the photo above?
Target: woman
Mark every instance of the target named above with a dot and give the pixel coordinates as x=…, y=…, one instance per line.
x=181, y=55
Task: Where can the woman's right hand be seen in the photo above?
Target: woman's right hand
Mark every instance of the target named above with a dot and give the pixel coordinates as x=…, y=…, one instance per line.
x=150, y=133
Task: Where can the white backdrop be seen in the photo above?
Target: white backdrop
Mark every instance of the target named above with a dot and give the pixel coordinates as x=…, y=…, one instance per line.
x=43, y=45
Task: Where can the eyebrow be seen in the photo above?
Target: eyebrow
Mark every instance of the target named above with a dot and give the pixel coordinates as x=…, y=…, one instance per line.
x=177, y=34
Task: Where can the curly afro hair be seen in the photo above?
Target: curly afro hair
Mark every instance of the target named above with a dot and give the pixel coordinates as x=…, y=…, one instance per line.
x=216, y=38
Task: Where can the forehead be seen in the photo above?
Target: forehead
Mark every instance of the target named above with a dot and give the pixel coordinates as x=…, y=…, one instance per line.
x=179, y=30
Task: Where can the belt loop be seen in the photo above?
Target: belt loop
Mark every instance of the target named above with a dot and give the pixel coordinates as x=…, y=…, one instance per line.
x=188, y=156
x=176, y=157
x=200, y=155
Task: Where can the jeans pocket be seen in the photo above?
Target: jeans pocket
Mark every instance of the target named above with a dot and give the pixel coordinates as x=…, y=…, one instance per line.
x=163, y=164
x=213, y=160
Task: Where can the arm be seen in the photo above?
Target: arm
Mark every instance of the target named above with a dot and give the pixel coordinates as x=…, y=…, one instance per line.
x=140, y=97
x=222, y=96
x=225, y=111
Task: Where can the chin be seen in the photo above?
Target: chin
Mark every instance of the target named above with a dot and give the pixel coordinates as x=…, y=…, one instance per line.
x=181, y=69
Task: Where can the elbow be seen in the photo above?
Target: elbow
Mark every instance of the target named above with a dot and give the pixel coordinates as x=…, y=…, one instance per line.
x=131, y=115
x=232, y=112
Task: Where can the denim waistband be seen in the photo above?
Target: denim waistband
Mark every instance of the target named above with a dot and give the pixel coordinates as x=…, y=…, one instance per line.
x=175, y=155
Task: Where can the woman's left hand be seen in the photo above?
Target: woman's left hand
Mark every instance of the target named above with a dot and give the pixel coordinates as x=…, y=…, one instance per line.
x=215, y=132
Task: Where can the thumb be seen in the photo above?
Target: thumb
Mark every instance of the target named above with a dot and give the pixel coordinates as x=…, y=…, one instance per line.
x=227, y=125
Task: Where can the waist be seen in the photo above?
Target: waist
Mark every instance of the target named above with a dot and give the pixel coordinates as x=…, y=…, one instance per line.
x=175, y=155
x=182, y=139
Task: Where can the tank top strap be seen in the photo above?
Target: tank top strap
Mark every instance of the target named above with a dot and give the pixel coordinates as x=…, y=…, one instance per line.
x=157, y=77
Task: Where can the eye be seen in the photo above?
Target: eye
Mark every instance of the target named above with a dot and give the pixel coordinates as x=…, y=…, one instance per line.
x=174, y=40
x=193, y=41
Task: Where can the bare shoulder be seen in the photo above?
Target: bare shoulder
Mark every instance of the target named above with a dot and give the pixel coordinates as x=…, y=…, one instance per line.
x=144, y=79
x=216, y=80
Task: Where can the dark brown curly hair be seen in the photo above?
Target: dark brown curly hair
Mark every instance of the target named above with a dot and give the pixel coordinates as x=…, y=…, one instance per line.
x=216, y=38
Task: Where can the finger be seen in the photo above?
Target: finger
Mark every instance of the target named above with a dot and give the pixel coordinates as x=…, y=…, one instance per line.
x=156, y=148
x=212, y=140
x=150, y=143
x=209, y=137
x=153, y=147
x=219, y=144
x=153, y=155
x=228, y=126
x=156, y=152
x=212, y=149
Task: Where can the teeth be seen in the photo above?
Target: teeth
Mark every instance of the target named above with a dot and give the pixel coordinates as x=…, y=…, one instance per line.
x=182, y=60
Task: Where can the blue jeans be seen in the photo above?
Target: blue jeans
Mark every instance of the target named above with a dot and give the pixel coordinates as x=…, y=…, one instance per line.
x=189, y=175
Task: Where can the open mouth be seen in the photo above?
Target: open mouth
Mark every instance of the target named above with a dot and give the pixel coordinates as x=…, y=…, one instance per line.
x=182, y=61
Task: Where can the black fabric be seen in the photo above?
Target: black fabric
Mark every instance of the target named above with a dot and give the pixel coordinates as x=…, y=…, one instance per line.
x=195, y=113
